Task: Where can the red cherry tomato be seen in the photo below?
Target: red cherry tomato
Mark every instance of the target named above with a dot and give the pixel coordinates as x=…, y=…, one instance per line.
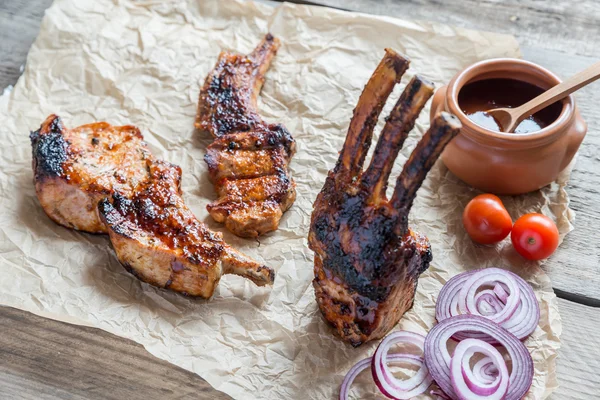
x=535, y=236
x=486, y=220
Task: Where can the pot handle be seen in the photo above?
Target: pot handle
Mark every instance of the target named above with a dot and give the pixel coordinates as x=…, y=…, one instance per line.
x=438, y=103
x=576, y=134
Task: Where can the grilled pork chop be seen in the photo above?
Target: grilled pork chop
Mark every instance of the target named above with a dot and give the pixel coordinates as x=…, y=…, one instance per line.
x=75, y=168
x=102, y=179
x=367, y=260
x=248, y=160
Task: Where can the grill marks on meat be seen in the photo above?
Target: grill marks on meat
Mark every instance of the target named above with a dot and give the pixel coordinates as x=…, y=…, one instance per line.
x=248, y=160
x=161, y=242
x=75, y=168
x=367, y=259
x=102, y=179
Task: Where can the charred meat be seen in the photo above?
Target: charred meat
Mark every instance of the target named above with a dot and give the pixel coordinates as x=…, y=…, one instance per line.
x=248, y=160
x=75, y=168
x=367, y=259
x=100, y=178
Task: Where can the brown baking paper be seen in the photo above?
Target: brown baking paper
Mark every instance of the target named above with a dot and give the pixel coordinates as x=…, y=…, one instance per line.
x=142, y=63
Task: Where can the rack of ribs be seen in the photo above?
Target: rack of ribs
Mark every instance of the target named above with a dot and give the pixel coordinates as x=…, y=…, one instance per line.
x=248, y=160
x=100, y=178
x=367, y=260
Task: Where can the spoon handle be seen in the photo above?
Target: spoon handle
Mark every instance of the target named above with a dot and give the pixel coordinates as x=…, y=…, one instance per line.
x=560, y=91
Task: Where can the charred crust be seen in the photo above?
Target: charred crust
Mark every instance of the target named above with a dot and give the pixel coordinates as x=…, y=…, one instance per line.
x=104, y=207
x=49, y=150
x=56, y=125
x=283, y=137
x=113, y=219
x=270, y=272
x=397, y=62
x=344, y=308
x=121, y=203
x=375, y=250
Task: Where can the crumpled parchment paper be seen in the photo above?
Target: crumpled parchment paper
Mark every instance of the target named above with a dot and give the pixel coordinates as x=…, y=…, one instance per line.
x=142, y=63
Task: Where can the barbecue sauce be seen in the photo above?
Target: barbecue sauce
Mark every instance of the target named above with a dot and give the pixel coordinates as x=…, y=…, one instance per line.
x=477, y=97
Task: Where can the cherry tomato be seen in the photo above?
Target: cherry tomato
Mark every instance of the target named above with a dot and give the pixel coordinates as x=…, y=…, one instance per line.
x=486, y=220
x=535, y=236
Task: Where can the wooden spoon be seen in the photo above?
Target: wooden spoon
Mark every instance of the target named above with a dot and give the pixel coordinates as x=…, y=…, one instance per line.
x=509, y=118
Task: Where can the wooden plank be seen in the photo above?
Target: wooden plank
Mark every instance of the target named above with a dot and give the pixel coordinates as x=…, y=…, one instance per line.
x=560, y=25
x=578, y=363
x=574, y=268
x=42, y=358
x=19, y=26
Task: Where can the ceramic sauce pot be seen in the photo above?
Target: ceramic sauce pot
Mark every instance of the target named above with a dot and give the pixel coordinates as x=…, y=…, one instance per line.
x=509, y=163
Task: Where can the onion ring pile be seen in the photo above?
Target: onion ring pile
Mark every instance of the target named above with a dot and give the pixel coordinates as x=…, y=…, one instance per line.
x=489, y=377
x=478, y=309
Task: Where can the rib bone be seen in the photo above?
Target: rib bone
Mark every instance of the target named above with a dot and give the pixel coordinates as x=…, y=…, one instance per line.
x=443, y=128
x=400, y=122
x=371, y=102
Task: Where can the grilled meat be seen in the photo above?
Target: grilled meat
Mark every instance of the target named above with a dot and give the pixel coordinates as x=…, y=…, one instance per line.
x=75, y=168
x=248, y=160
x=159, y=240
x=102, y=179
x=367, y=260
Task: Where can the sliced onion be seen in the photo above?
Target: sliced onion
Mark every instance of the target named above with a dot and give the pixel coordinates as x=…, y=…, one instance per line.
x=487, y=303
x=384, y=379
x=511, y=302
x=438, y=358
x=389, y=385
x=465, y=382
x=467, y=294
x=351, y=376
x=366, y=363
x=484, y=370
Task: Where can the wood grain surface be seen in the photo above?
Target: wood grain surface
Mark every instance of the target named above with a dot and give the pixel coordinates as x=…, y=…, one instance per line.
x=45, y=359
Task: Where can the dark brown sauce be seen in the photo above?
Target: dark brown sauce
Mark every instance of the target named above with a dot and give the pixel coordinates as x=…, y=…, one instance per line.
x=477, y=97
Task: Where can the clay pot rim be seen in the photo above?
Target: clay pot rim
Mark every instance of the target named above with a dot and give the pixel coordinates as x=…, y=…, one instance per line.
x=506, y=66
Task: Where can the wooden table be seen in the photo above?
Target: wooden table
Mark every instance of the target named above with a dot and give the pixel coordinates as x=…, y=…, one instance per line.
x=45, y=359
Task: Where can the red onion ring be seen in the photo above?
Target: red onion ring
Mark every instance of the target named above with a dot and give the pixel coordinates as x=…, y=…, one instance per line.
x=511, y=302
x=387, y=383
x=438, y=359
x=487, y=302
x=484, y=370
x=384, y=379
x=366, y=363
x=466, y=296
x=464, y=381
